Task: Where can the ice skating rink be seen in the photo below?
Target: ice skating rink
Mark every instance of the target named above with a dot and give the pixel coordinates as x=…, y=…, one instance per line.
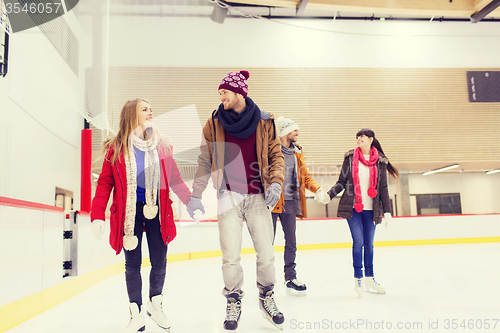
x=430, y=288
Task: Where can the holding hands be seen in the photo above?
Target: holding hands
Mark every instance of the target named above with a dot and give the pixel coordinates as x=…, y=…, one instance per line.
x=195, y=208
x=322, y=196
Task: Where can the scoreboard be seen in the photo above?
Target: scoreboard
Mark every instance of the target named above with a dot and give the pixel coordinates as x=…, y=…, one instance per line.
x=484, y=86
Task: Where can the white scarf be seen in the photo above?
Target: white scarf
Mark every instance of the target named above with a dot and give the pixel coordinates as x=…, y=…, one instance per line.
x=152, y=177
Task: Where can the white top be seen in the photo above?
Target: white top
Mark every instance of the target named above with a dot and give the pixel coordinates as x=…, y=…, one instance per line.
x=364, y=182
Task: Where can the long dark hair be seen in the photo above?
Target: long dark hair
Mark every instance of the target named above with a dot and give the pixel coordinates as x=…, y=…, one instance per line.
x=375, y=143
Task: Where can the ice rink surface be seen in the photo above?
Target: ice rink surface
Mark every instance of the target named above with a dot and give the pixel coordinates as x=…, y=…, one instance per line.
x=430, y=288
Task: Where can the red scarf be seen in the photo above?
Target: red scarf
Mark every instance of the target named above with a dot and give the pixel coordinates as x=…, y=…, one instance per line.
x=372, y=191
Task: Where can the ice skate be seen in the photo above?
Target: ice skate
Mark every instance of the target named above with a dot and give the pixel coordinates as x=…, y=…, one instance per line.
x=233, y=312
x=358, y=286
x=269, y=309
x=295, y=288
x=137, y=322
x=155, y=311
x=371, y=283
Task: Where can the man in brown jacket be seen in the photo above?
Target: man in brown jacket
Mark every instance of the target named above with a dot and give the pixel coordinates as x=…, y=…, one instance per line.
x=242, y=154
x=292, y=202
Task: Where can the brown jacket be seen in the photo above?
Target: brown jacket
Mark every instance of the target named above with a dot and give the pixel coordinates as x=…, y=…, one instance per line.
x=305, y=181
x=211, y=158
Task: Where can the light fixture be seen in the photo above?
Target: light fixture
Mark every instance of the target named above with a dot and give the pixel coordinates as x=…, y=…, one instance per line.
x=492, y=171
x=440, y=169
x=219, y=13
x=95, y=175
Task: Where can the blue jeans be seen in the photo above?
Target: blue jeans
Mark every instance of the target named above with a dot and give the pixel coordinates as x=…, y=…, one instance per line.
x=157, y=256
x=363, y=232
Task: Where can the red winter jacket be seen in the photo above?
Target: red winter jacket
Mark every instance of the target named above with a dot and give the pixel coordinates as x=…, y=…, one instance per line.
x=114, y=177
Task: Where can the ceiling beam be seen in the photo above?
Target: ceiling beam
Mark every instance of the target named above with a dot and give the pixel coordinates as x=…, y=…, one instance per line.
x=480, y=4
x=301, y=6
x=478, y=16
x=455, y=8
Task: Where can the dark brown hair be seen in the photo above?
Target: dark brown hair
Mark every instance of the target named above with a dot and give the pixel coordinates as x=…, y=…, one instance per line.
x=375, y=143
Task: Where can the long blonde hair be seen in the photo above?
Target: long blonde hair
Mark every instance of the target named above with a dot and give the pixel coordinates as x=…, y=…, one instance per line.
x=128, y=123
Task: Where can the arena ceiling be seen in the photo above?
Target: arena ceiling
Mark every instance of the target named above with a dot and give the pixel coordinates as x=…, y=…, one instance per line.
x=475, y=10
x=439, y=10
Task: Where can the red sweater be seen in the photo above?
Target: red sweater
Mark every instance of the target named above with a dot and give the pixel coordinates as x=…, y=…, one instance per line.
x=241, y=167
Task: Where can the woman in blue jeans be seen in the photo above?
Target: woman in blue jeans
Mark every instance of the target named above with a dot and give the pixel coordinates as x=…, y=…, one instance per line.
x=365, y=201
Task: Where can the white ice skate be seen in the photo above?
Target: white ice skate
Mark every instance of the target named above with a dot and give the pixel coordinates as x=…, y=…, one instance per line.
x=270, y=310
x=155, y=311
x=137, y=322
x=371, y=283
x=358, y=286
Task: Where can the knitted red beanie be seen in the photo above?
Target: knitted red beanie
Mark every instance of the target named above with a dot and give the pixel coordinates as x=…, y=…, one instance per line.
x=236, y=82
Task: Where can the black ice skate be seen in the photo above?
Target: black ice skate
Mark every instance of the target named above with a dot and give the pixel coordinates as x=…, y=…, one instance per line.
x=233, y=312
x=269, y=309
x=295, y=288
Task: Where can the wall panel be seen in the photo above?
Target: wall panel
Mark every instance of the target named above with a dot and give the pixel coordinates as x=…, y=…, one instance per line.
x=422, y=116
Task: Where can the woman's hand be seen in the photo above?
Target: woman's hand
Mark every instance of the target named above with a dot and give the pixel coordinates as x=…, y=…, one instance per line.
x=98, y=228
x=387, y=218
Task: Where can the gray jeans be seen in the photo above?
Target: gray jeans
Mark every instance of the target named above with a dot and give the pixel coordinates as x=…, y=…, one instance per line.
x=232, y=208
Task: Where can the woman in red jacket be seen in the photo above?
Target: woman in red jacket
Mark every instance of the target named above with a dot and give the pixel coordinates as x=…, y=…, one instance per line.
x=140, y=168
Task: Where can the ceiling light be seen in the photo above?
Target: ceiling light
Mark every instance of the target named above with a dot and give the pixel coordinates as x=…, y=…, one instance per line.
x=440, y=170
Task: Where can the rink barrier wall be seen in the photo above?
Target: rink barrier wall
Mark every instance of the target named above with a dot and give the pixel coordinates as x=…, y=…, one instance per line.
x=97, y=261
x=4, y=201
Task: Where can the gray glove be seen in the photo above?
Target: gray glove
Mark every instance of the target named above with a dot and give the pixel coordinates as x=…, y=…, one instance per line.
x=193, y=205
x=273, y=195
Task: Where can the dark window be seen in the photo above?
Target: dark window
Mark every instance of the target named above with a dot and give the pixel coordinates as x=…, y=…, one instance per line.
x=441, y=203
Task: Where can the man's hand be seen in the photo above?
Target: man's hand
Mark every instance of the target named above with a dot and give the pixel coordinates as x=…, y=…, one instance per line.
x=273, y=195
